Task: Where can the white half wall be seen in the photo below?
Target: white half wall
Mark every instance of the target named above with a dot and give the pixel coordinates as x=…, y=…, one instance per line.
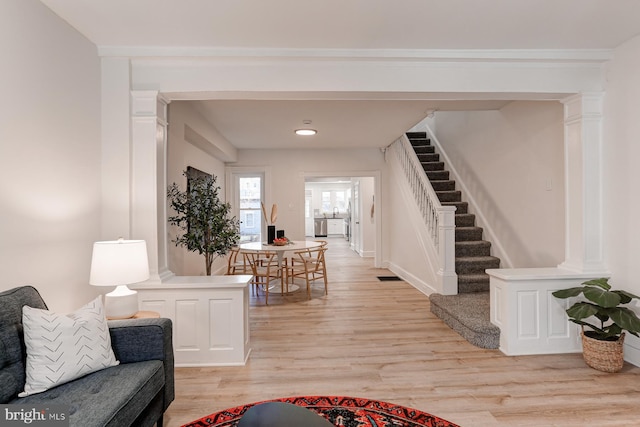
x=512, y=162
x=49, y=155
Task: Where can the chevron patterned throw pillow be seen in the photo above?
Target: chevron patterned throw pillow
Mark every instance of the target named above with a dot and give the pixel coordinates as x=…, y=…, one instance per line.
x=61, y=348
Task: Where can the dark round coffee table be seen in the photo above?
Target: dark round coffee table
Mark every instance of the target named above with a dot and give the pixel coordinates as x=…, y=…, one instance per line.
x=281, y=414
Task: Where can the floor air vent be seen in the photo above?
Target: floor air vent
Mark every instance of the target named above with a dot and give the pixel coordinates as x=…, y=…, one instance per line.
x=389, y=278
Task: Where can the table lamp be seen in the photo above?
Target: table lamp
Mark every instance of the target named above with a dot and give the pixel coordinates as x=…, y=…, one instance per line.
x=119, y=263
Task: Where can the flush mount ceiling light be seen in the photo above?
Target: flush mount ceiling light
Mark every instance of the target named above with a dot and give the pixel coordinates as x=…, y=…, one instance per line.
x=306, y=131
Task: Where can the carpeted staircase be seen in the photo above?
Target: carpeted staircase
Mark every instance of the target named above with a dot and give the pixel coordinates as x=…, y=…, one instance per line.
x=467, y=312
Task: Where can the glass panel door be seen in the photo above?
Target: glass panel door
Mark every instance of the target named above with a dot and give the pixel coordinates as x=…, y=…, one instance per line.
x=250, y=210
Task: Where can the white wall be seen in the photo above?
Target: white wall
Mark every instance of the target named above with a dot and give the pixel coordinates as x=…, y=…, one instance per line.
x=49, y=154
x=621, y=153
x=512, y=162
x=408, y=256
x=187, y=149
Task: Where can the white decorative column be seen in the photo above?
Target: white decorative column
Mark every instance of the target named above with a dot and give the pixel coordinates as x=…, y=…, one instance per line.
x=530, y=319
x=583, y=183
x=447, y=250
x=148, y=177
x=162, y=132
x=210, y=314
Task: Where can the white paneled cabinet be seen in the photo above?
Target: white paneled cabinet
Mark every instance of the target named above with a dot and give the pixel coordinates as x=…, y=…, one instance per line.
x=210, y=316
x=530, y=318
x=335, y=226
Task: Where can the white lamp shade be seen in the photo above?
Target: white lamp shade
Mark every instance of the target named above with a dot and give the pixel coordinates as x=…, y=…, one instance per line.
x=119, y=262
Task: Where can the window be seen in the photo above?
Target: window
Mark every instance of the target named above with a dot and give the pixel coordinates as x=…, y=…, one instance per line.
x=340, y=201
x=326, y=201
x=334, y=201
x=250, y=219
x=308, y=194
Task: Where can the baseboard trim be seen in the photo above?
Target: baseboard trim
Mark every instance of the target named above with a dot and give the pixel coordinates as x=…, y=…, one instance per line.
x=632, y=349
x=414, y=281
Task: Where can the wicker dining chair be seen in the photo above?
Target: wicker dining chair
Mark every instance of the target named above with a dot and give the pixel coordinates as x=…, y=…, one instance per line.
x=308, y=264
x=237, y=262
x=265, y=269
x=291, y=260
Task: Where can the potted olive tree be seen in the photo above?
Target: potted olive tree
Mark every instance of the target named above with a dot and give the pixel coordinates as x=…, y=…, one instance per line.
x=604, y=313
x=207, y=227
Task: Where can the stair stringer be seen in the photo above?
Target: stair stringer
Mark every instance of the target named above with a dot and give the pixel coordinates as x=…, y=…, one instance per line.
x=436, y=281
x=481, y=220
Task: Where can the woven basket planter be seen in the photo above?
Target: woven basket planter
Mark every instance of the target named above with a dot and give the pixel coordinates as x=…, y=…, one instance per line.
x=605, y=356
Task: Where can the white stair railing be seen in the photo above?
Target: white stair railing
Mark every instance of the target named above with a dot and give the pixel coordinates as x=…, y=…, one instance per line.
x=439, y=219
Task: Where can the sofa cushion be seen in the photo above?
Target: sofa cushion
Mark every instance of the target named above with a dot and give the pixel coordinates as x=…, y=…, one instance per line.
x=61, y=348
x=12, y=355
x=111, y=397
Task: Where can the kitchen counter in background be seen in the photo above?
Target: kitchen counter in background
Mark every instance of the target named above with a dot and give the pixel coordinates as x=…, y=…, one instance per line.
x=330, y=226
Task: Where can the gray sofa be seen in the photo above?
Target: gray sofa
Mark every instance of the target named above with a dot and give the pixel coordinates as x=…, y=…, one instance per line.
x=134, y=393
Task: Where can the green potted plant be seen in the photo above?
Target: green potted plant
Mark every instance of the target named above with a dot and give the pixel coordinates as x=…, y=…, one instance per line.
x=204, y=219
x=604, y=313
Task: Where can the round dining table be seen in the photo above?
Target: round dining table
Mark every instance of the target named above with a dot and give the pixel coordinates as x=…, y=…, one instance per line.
x=292, y=246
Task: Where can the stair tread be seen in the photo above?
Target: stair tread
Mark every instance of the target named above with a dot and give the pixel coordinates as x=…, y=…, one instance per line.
x=461, y=207
x=480, y=258
x=473, y=276
x=444, y=185
x=473, y=242
x=423, y=149
x=449, y=195
x=443, y=174
x=472, y=248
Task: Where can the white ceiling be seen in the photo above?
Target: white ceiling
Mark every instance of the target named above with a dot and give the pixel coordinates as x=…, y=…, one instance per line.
x=348, y=25
x=340, y=124
x=355, y=24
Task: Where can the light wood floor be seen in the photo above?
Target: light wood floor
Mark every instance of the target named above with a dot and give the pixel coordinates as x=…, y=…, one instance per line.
x=378, y=340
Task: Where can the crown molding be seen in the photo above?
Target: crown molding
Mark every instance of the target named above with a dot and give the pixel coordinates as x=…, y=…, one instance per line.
x=464, y=55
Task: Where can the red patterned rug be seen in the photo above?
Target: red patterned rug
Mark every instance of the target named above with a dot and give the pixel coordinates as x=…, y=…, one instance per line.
x=340, y=411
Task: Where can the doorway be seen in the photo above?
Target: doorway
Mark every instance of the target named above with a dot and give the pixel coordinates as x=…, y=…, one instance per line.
x=334, y=206
x=248, y=196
